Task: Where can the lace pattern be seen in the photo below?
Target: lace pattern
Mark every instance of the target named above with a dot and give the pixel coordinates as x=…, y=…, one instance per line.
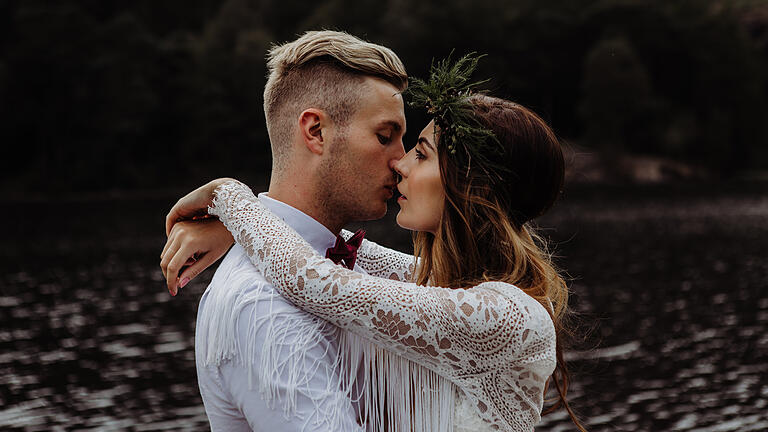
x=383, y=262
x=493, y=341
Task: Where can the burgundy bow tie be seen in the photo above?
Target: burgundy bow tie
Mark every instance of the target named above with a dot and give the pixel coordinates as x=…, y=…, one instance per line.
x=346, y=251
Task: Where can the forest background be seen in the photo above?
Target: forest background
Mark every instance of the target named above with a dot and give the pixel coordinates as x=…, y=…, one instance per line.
x=122, y=96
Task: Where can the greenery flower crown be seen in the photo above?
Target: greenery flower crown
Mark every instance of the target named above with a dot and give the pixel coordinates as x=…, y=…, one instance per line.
x=446, y=97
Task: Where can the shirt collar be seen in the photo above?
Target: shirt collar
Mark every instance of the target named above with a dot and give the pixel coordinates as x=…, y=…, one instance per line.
x=315, y=233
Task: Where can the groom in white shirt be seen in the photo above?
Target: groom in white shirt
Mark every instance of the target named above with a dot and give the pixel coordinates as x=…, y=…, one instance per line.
x=334, y=113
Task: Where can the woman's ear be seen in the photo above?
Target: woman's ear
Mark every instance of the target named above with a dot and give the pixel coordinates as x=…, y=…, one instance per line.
x=312, y=122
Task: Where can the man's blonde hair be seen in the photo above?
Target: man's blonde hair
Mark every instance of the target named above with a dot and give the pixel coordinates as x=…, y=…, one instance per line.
x=324, y=70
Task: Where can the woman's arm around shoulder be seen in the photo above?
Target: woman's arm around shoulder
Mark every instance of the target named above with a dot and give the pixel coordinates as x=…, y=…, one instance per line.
x=453, y=331
x=384, y=262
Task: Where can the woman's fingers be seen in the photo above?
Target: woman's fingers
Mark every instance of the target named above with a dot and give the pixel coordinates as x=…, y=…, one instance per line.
x=171, y=239
x=194, y=269
x=194, y=203
x=169, y=251
x=171, y=218
x=190, y=205
x=192, y=247
x=179, y=260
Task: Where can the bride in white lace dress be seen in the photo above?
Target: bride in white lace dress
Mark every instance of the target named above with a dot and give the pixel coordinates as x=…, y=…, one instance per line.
x=480, y=304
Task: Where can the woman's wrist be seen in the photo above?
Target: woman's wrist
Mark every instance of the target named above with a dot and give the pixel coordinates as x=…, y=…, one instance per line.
x=222, y=194
x=214, y=184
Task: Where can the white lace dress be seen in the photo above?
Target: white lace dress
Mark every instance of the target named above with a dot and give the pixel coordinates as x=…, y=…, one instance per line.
x=493, y=342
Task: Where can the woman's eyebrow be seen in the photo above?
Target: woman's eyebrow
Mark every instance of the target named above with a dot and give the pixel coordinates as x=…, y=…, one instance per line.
x=426, y=142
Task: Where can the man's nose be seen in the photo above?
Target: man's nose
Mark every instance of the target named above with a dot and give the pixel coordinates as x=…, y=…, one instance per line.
x=398, y=166
x=399, y=149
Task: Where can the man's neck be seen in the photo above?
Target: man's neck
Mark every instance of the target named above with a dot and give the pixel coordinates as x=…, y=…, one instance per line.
x=303, y=198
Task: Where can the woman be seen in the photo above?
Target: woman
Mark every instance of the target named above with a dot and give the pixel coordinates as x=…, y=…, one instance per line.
x=486, y=310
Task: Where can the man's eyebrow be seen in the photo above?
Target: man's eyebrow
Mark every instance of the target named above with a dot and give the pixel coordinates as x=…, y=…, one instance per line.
x=426, y=142
x=393, y=124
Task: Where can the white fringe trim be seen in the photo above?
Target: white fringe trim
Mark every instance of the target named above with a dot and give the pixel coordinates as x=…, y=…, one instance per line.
x=394, y=393
x=388, y=392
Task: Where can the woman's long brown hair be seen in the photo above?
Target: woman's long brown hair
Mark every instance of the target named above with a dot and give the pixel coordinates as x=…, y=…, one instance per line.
x=484, y=234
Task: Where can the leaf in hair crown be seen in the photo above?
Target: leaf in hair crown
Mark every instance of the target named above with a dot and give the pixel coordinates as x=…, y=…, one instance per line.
x=446, y=97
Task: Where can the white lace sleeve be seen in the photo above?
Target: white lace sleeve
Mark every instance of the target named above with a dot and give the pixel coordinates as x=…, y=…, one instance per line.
x=493, y=341
x=383, y=262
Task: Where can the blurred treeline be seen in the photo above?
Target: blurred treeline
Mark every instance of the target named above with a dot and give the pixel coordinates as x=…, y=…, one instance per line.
x=98, y=95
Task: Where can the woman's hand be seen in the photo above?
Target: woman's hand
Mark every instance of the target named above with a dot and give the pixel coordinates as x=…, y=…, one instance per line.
x=192, y=247
x=192, y=205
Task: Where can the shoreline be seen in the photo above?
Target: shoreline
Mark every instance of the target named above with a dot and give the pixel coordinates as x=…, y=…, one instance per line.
x=747, y=185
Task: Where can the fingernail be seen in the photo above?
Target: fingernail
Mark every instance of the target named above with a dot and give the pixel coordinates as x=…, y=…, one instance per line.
x=184, y=282
x=172, y=291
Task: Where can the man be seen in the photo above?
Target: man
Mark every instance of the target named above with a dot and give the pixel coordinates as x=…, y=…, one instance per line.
x=335, y=119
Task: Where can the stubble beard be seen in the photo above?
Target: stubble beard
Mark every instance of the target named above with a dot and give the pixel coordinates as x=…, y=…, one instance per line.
x=342, y=186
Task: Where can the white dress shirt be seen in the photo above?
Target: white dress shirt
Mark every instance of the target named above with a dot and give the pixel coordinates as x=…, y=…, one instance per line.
x=262, y=363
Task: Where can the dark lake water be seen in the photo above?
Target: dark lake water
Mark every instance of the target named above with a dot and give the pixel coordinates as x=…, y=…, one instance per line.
x=670, y=290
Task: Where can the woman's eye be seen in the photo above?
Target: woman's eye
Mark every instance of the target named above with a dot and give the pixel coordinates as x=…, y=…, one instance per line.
x=419, y=155
x=383, y=139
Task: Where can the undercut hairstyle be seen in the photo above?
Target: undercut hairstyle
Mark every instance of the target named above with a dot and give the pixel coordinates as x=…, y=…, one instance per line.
x=324, y=70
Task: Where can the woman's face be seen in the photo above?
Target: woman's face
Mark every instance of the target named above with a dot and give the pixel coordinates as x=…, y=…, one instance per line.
x=423, y=197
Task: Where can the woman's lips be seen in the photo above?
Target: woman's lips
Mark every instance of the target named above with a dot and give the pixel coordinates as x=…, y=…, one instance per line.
x=400, y=194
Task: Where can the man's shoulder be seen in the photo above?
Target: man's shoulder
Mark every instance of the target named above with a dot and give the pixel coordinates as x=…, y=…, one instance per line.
x=240, y=307
x=237, y=263
x=238, y=285
x=235, y=277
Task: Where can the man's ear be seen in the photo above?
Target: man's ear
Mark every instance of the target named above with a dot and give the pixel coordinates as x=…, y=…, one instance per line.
x=312, y=123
